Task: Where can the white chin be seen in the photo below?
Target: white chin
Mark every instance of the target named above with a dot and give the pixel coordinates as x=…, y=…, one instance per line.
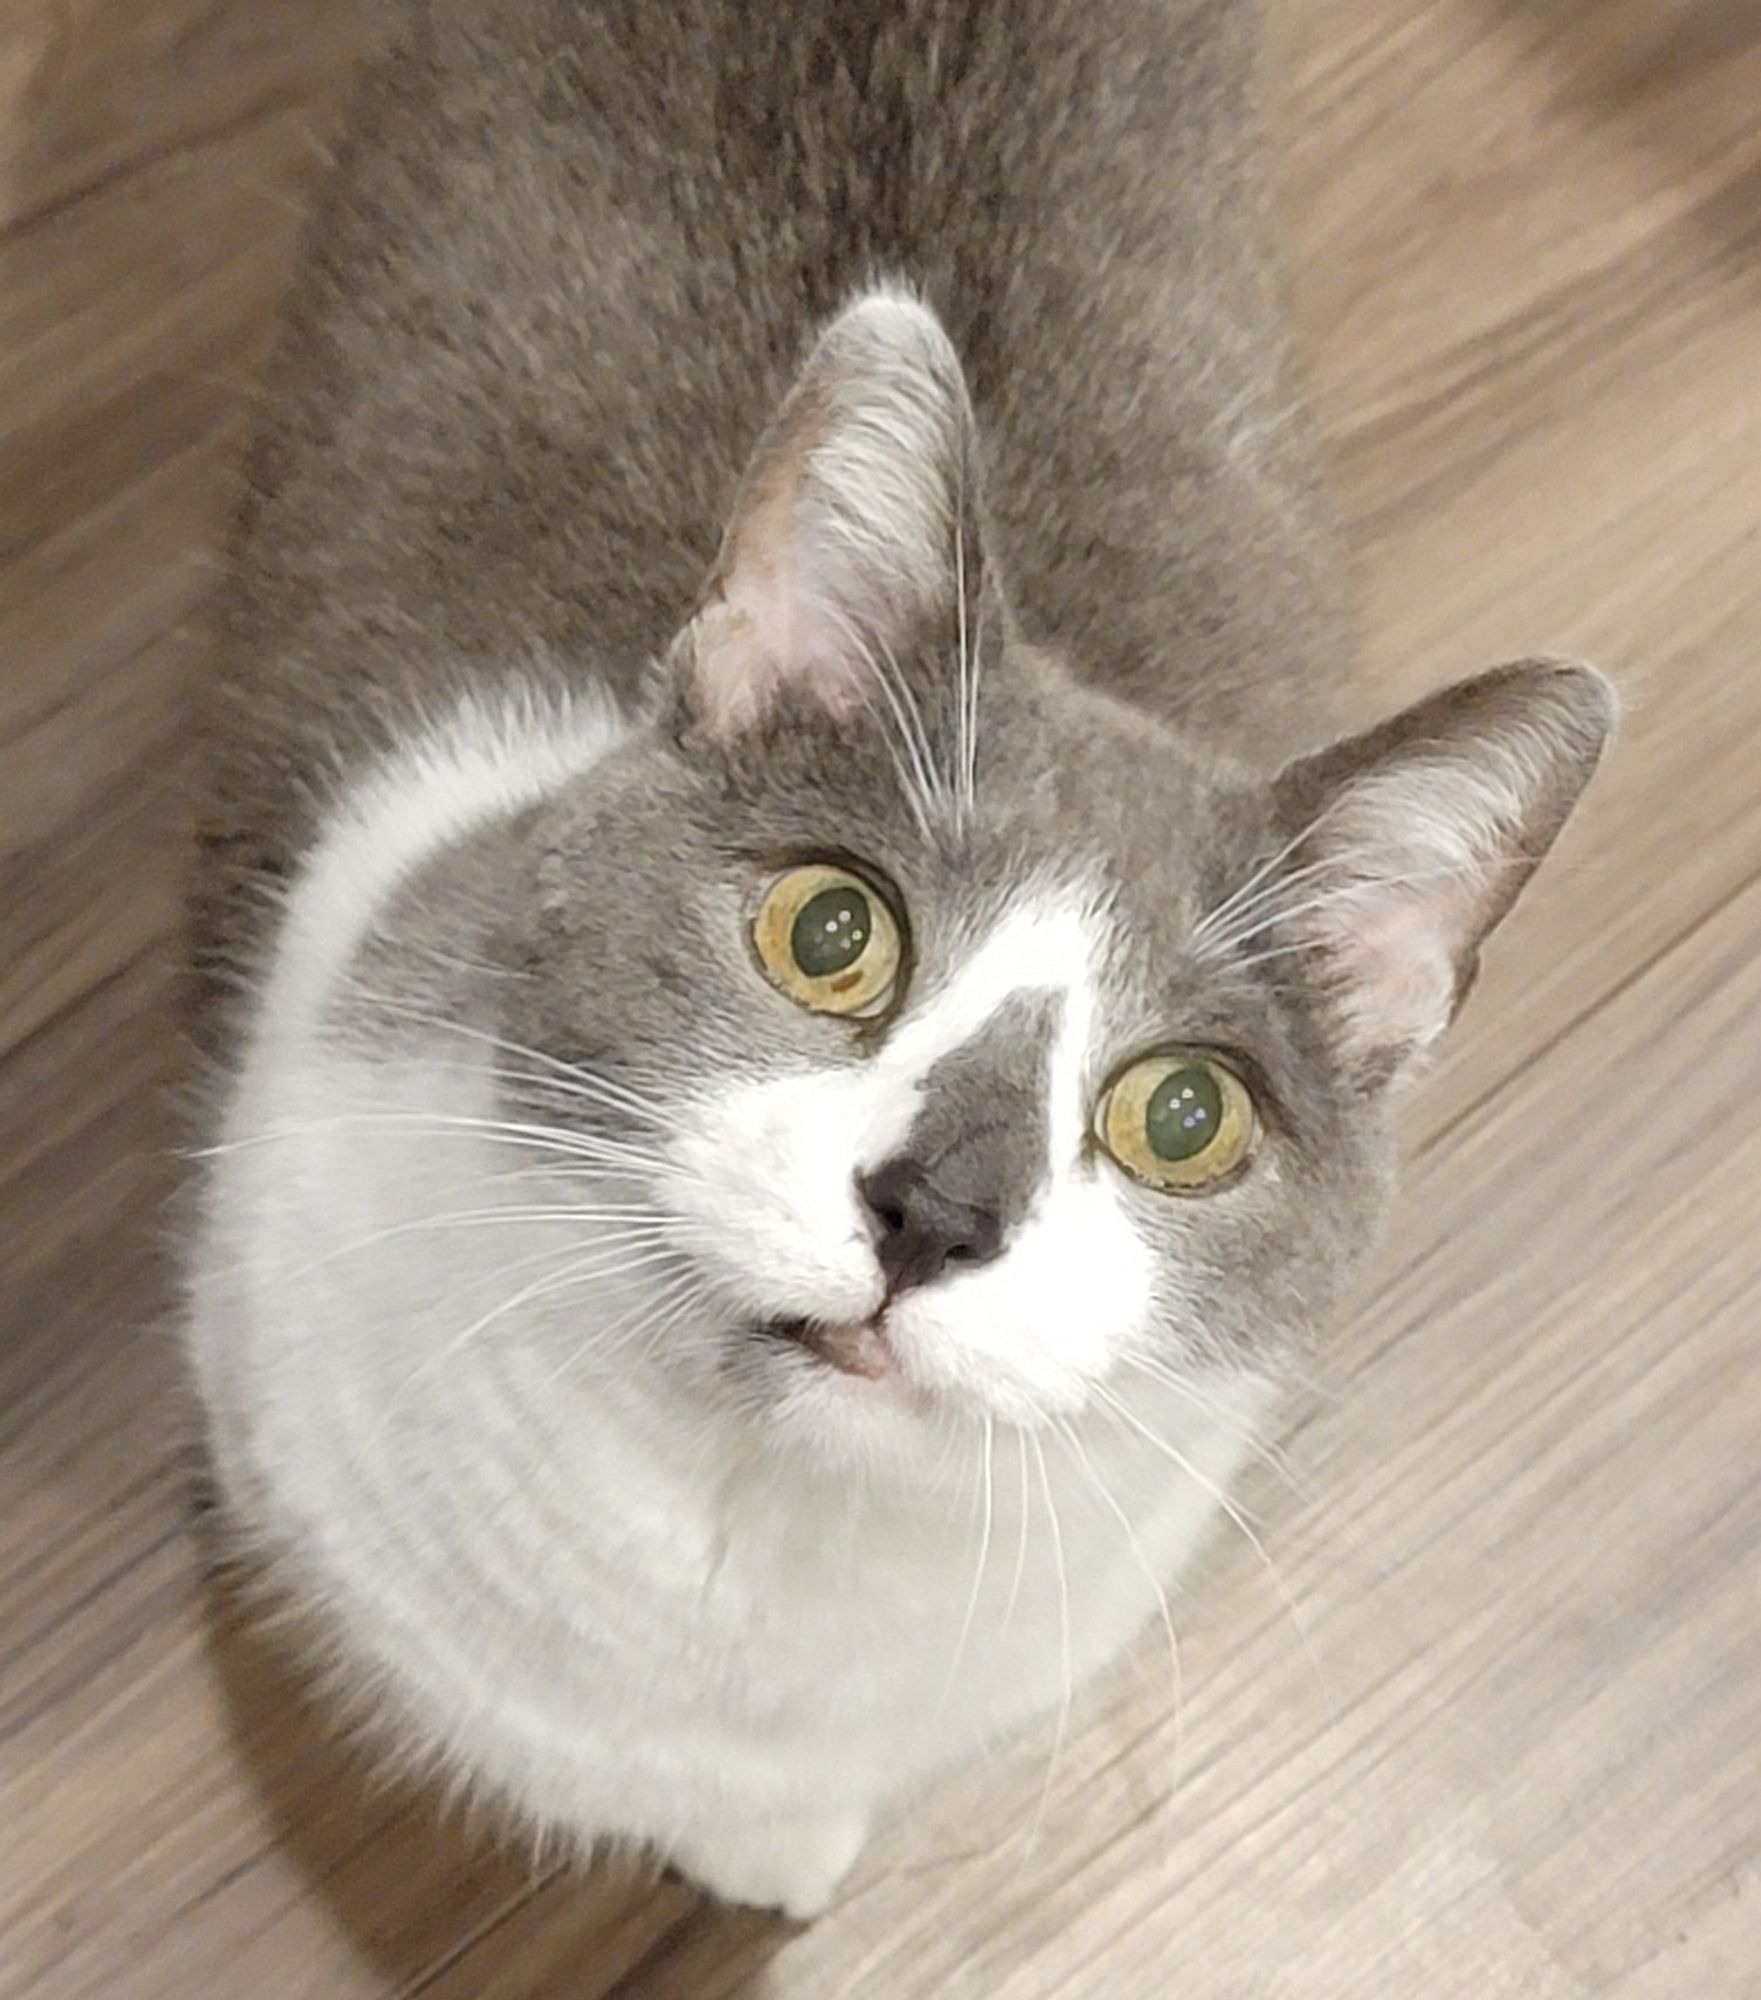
x=834, y=1414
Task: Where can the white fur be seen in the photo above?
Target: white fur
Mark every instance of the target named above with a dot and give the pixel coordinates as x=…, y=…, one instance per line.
x=1019, y=1338
x=877, y=478
x=557, y=1562
x=489, y=761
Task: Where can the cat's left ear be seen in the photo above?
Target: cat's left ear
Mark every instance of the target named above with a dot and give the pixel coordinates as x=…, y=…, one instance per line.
x=853, y=554
x=1416, y=839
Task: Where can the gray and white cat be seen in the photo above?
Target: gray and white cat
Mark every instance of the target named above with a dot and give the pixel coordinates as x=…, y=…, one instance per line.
x=802, y=1032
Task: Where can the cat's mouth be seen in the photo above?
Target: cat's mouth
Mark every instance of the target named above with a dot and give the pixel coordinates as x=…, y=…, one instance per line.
x=853, y=1347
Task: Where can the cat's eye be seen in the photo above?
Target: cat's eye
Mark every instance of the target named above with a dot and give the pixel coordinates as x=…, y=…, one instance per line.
x=828, y=940
x=1181, y=1122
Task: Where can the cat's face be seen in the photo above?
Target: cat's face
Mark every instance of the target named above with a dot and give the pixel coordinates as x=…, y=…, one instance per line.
x=971, y=1115
x=979, y=1044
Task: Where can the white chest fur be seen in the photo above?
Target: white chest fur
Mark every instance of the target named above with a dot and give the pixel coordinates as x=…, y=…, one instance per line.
x=570, y=1582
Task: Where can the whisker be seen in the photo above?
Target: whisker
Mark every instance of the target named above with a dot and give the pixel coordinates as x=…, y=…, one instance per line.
x=1240, y=925
x=573, y=1274
x=1358, y=884
x=1020, y=1532
x=971, y=663
x=1177, y=1688
x=1069, y=1683
x=692, y=1297
x=1203, y=928
x=1300, y=950
x=647, y=1223
x=1243, y=1525
x=978, y=1573
x=496, y=1131
x=1262, y=1449
x=934, y=783
x=568, y=1089
x=664, y=1311
x=609, y=1336
x=917, y=781
x=977, y=681
x=585, y=1082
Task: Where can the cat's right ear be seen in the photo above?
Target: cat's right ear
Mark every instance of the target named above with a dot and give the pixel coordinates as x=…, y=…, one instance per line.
x=854, y=547
x=1415, y=840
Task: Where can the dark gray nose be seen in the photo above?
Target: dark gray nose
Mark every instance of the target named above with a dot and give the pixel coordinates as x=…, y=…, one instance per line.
x=920, y=1230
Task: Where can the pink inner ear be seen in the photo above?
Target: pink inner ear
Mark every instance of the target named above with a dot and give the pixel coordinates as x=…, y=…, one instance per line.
x=775, y=626
x=790, y=615
x=1426, y=830
x=1398, y=969
x=842, y=539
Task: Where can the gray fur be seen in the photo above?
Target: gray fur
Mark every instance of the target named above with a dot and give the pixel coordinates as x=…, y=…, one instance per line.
x=979, y=1143
x=566, y=272
x=1016, y=601
x=570, y=264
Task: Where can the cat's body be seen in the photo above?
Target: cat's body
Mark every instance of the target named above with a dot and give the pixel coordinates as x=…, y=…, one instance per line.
x=684, y=1485
x=577, y=258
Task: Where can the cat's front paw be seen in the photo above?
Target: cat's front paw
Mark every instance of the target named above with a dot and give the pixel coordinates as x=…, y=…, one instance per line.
x=790, y=1865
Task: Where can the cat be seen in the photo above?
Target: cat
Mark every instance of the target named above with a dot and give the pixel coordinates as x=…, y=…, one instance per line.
x=803, y=998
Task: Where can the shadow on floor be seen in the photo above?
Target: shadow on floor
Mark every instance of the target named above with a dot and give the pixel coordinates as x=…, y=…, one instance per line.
x=428, y=1895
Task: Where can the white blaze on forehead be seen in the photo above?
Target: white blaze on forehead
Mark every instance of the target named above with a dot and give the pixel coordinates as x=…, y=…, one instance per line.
x=1029, y=1332
x=1067, y=1085
x=1049, y=947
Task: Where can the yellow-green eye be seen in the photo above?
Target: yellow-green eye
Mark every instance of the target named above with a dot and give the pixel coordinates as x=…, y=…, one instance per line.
x=1179, y=1122
x=828, y=940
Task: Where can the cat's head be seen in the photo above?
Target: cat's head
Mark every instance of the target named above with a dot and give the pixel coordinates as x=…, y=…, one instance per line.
x=989, y=1040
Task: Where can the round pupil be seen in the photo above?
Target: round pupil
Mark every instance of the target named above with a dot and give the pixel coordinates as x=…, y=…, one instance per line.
x=831, y=932
x=1185, y=1114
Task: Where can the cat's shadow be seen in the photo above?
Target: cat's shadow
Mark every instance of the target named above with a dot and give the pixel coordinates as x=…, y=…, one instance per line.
x=438, y=1906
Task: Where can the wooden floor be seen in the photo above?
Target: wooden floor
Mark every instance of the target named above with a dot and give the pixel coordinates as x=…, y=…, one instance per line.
x=1484, y=1718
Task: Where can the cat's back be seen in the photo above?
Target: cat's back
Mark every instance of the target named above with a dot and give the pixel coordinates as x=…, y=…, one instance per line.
x=571, y=258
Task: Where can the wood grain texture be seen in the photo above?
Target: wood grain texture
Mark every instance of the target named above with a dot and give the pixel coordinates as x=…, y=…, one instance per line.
x=1481, y=1721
